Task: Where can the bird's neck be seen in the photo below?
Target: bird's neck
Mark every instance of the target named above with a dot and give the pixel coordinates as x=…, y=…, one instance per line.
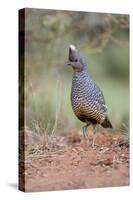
x=81, y=74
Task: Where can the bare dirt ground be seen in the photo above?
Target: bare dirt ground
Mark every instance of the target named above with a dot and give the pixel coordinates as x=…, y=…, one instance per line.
x=76, y=166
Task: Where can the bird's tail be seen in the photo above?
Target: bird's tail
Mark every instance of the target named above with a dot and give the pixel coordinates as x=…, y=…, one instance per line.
x=106, y=123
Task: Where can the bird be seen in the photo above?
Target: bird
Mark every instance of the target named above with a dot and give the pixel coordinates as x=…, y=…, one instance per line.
x=87, y=99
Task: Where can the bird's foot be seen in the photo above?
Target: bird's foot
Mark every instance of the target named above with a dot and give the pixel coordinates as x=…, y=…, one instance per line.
x=93, y=142
x=93, y=146
x=86, y=143
x=86, y=146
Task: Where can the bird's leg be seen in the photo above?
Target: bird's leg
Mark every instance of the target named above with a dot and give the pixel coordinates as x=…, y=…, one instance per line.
x=84, y=132
x=85, y=135
x=94, y=136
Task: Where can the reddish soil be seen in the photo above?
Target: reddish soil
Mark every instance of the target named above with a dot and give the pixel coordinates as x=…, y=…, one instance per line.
x=79, y=166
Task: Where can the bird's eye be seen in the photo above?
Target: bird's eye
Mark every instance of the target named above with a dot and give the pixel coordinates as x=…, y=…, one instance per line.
x=76, y=60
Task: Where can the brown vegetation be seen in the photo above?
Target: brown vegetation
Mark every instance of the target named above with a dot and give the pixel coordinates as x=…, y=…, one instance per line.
x=71, y=165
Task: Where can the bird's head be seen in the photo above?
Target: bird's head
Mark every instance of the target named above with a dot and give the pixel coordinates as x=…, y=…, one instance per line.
x=75, y=59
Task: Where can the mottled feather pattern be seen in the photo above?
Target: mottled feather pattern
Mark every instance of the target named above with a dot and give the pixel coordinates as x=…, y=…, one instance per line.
x=87, y=99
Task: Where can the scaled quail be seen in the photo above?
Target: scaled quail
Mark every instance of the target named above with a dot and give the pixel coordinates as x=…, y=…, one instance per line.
x=86, y=97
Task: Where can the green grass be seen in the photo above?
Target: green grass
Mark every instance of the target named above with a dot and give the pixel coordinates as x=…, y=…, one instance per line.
x=49, y=103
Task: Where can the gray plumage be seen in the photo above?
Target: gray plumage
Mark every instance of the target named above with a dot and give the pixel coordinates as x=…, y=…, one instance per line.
x=88, y=102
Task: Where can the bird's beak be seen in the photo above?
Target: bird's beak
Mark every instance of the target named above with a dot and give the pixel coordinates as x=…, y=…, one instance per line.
x=68, y=63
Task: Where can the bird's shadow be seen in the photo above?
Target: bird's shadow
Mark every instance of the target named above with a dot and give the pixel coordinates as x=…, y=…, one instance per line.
x=13, y=185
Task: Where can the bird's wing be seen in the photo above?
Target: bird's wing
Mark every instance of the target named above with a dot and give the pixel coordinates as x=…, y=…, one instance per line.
x=99, y=100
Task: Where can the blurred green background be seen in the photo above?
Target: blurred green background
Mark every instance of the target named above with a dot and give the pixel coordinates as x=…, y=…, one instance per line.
x=103, y=39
